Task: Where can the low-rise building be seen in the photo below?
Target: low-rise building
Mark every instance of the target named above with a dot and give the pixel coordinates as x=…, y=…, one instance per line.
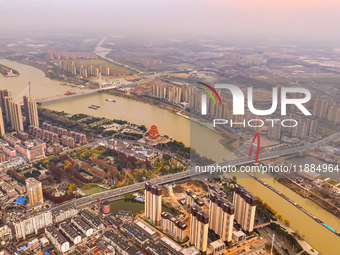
x=191, y=198
x=93, y=220
x=71, y=233
x=173, y=226
x=170, y=245
x=120, y=245
x=82, y=225
x=147, y=231
x=61, y=215
x=57, y=239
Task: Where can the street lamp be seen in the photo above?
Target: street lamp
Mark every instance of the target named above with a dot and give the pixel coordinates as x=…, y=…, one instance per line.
x=271, y=252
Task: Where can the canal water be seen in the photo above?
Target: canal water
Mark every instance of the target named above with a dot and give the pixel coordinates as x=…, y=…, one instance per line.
x=130, y=206
x=179, y=129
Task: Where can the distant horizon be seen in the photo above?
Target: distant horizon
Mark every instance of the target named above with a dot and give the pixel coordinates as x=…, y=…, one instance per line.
x=285, y=20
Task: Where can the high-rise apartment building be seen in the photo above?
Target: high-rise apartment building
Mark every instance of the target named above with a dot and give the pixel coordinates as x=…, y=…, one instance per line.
x=274, y=132
x=245, y=207
x=31, y=111
x=34, y=191
x=333, y=113
x=15, y=115
x=320, y=108
x=199, y=227
x=221, y=214
x=2, y=125
x=153, y=203
x=3, y=94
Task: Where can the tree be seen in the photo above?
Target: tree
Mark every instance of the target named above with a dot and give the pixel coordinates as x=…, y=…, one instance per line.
x=71, y=187
x=67, y=164
x=287, y=222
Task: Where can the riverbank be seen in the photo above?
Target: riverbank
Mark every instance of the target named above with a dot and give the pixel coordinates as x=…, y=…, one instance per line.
x=306, y=194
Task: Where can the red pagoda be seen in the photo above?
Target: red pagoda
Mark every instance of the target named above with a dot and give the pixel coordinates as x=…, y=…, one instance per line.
x=153, y=133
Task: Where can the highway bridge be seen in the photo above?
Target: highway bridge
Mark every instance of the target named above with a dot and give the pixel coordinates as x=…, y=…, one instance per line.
x=188, y=173
x=67, y=96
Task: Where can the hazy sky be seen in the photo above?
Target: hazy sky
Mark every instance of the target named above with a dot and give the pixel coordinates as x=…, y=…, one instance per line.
x=270, y=18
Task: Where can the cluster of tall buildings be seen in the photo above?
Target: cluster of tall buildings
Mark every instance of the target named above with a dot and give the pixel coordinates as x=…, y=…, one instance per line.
x=191, y=97
x=172, y=94
x=151, y=62
x=77, y=68
x=56, y=55
x=220, y=218
x=253, y=59
x=326, y=109
x=154, y=214
x=13, y=113
x=303, y=129
x=222, y=214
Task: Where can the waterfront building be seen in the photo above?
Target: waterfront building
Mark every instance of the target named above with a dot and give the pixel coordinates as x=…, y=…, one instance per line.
x=153, y=133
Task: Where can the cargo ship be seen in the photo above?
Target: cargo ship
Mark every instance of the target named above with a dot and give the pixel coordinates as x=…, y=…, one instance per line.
x=94, y=107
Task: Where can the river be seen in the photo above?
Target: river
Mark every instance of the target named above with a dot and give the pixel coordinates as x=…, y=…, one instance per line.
x=178, y=128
